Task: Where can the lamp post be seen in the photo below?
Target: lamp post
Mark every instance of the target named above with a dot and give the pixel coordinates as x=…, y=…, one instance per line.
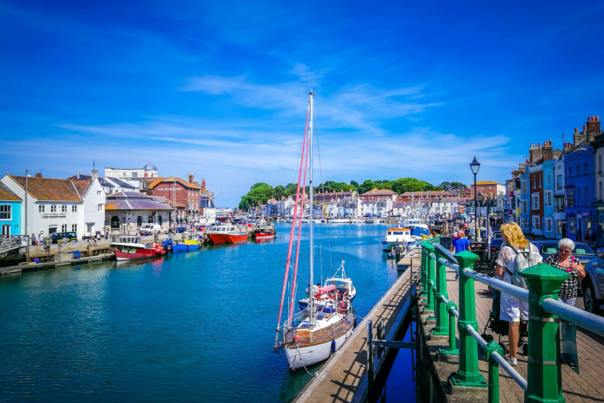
x=475, y=166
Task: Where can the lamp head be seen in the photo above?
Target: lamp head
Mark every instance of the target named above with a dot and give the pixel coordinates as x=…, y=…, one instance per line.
x=475, y=166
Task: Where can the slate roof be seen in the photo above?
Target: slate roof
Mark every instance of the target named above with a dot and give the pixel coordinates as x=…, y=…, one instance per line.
x=82, y=186
x=80, y=177
x=49, y=189
x=121, y=183
x=171, y=179
x=133, y=201
x=6, y=194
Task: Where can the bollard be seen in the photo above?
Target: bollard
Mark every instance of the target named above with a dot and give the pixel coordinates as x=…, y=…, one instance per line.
x=442, y=325
x=431, y=277
x=467, y=374
x=493, y=392
x=453, y=350
x=544, y=379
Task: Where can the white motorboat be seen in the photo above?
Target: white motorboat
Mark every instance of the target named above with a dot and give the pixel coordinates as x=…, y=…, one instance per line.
x=311, y=336
x=338, y=220
x=398, y=237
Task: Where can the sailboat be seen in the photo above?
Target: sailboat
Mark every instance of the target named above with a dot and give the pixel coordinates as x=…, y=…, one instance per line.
x=314, y=334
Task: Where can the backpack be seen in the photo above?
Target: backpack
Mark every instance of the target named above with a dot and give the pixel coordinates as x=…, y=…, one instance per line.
x=524, y=259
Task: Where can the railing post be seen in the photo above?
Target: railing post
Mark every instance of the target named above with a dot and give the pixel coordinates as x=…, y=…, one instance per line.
x=452, y=340
x=544, y=379
x=467, y=374
x=424, y=270
x=431, y=277
x=370, y=359
x=493, y=392
x=442, y=325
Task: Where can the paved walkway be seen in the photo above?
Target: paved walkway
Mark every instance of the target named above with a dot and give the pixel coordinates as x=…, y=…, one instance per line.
x=587, y=387
x=345, y=370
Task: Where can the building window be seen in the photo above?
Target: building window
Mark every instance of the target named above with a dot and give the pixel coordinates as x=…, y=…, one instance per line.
x=523, y=186
x=535, y=201
x=548, y=224
x=579, y=196
x=89, y=228
x=524, y=223
x=587, y=196
x=53, y=208
x=74, y=227
x=64, y=209
x=578, y=170
x=559, y=182
x=548, y=199
x=74, y=209
x=41, y=208
x=100, y=207
x=64, y=228
x=98, y=192
x=586, y=168
x=5, y=212
x=536, y=221
x=570, y=171
x=134, y=174
x=572, y=225
x=570, y=198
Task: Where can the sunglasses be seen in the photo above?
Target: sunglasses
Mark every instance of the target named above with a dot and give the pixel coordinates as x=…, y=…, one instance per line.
x=565, y=250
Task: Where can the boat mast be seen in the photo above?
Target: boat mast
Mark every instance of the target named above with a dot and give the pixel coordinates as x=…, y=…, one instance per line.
x=310, y=194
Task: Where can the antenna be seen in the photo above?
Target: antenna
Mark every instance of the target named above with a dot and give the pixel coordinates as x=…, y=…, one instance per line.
x=93, y=164
x=563, y=137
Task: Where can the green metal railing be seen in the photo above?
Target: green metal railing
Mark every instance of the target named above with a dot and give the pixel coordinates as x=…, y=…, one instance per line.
x=544, y=366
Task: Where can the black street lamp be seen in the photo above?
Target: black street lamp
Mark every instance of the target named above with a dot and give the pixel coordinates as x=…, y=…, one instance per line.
x=475, y=166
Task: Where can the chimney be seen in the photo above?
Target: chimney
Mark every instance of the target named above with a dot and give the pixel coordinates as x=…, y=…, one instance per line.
x=548, y=151
x=95, y=174
x=191, y=177
x=533, y=153
x=593, y=127
x=38, y=175
x=203, y=186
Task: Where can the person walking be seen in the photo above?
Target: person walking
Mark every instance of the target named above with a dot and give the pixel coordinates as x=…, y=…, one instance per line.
x=33, y=240
x=460, y=244
x=512, y=309
x=41, y=240
x=567, y=262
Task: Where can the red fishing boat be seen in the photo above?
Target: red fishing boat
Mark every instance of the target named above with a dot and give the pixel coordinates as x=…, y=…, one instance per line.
x=264, y=231
x=225, y=234
x=131, y=248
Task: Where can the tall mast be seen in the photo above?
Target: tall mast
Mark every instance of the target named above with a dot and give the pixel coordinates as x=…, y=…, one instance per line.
x=310, y=194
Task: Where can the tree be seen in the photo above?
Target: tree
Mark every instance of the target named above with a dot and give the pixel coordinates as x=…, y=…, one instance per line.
x=446, y=186
x=279, y=192
x=365, y=186
x=458, y=186
x=256, y=185
x=354, y=183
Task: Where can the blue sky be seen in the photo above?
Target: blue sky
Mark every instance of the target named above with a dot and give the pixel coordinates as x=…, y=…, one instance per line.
x=220, y=88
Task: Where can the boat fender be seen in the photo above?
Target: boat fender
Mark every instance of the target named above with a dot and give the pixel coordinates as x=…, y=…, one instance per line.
x=333, y=347
x=355, y=323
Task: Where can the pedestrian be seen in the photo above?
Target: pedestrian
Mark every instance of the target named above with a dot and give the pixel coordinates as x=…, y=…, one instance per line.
x=106, y=234
x=64, y=240
x=568, y=263
x=460, y=244
x=41, y=239
x=33, y=240
x=512, y=309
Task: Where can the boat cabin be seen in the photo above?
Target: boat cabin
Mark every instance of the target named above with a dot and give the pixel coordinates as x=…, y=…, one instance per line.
x=399, y=231
x=129, y=239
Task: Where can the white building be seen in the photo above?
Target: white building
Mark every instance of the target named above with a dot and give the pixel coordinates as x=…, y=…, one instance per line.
x=369, y=208
x=94, y=199
x=384, y=206
x=50, y=205
x=140, y=177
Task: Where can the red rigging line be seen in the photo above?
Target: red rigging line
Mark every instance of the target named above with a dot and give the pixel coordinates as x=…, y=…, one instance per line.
x=291, y=232
x=291, y=309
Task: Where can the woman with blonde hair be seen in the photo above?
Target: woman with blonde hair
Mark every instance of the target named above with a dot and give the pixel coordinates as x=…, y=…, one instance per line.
x=512, y=309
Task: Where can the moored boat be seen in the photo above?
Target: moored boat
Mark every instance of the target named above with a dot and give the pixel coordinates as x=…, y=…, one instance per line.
x=226, y=234
x=397, y=237
x=310, y=336
x=130, y=248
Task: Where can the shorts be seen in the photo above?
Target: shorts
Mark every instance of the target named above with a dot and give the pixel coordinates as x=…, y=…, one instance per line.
x=512, y=309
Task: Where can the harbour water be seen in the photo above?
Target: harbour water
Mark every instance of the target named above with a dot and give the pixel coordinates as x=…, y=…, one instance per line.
x=191, y=327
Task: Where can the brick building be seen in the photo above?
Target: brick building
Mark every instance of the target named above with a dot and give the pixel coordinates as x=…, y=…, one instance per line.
x=376, y=194
x=184, y=197
x=488, y=189
x=434, y=195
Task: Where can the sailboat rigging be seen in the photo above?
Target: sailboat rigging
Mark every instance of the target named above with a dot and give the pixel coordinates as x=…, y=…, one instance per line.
x=326, y=320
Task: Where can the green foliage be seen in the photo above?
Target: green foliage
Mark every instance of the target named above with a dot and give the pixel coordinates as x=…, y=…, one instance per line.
x=455, y=186
x=261, y=192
